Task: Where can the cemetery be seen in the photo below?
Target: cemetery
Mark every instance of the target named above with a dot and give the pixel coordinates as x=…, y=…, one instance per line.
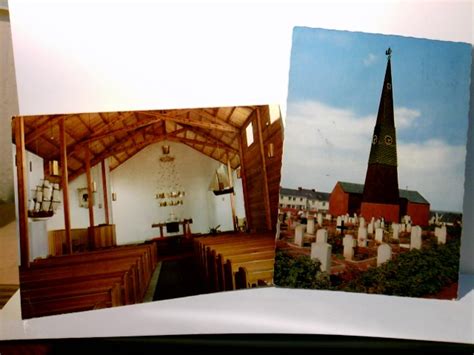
x=349, y=253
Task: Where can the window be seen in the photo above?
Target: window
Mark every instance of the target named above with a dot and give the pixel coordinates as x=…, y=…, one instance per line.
x=274, y=112
x=249, y=134
x=301, y=198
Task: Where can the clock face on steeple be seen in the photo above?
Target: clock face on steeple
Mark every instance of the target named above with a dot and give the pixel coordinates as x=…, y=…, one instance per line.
x=388, y=140
x=374, y=139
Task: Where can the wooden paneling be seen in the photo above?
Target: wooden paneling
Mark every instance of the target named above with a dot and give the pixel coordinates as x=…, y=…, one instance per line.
x=253, y=172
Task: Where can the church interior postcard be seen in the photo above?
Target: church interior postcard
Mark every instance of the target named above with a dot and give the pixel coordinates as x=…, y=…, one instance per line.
x=373, y=164
x=118, y=208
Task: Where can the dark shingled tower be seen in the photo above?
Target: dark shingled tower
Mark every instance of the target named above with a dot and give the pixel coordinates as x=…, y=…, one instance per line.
x=381, y=196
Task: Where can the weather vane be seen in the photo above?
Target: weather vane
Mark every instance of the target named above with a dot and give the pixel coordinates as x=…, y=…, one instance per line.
x=388, y=53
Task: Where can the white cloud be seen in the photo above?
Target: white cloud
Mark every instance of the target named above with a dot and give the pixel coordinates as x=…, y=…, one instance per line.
x=370, y=59
x=405, y=117
x=325, y=144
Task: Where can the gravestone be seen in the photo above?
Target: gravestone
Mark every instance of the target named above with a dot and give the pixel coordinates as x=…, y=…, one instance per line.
x=322, y=236
x=338, y=221
x=415, y=238
x=345, y=218
x=370, y=229
x=395, y=230
x=377, y=224
x=328, y=217
x=379, y=235
x=362, y=221
x=382, y=224
x=320, y=219
x=440, y=234
x=349, y=244
x=310, y=225
x=402, y=227
x=408, y=228
x=322, y=252
x=362, y=237
x=299, y=233
x=384, y=254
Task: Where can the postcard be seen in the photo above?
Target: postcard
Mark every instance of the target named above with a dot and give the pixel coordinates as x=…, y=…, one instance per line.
x=120, y=208
x=373, y=164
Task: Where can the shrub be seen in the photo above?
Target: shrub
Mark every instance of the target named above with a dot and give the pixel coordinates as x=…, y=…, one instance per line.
x=414, y=274
x=299, y=272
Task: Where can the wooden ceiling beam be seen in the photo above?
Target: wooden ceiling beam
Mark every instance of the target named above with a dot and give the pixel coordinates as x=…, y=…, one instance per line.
x=42, y=129
x=216, y=140
x=195, y=141
x=194, y=122
x=116, y=150
x=133, y=127
x=209, y=116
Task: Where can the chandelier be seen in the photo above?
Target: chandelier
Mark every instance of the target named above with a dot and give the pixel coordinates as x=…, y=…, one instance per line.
x=170, y=192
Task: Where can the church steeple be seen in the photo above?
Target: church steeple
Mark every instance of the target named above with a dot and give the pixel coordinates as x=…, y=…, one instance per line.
x=384, y=150
x=381, y=195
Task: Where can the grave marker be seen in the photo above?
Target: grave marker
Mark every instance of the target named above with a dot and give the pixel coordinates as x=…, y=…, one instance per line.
x=322, y=252
x=349, y=244
x=322, y=236
x=384, y=254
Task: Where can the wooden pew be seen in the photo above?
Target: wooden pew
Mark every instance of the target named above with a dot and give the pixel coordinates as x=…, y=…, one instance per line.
x=233, y=262
x=147, y=265
x=105, y=278
x=107, y=297
x=252, y=275
x=215, y=267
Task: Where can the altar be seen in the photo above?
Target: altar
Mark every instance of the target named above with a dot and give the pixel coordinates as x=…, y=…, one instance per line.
x=173, y=227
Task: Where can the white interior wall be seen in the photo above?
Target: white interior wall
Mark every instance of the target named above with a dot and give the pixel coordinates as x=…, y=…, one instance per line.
x=80, y=215
x=136, y=183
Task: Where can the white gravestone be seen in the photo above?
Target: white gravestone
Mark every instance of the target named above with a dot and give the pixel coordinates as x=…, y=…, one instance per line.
x=402, y=227
x=408, y=227
x=299, y=233
x=382, y=224
x=320, y=219
x=384, y=254
x=328, y=217
x=379, y=235
x=377, y=224
x=349, y=244
x=322, y=236
x=362, y=237
x=322, y=252
x=371, y=227
x=395, y=230
x=415, y=238
x=310, y=225
x=338, y=221
x=440, y=234
x=346, y=219
x=362, y=221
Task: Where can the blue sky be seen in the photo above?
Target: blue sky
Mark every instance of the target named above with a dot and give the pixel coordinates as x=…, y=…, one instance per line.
x=333, y=96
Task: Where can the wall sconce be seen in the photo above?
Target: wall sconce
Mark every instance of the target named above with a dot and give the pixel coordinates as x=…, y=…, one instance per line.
x=114, y=196
x=271, y=150
x=165, y=149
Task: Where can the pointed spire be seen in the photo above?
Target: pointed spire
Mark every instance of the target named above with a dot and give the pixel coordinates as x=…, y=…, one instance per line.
x=384, y=149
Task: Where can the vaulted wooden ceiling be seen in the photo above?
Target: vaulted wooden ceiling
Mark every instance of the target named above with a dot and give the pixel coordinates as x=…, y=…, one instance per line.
x=118, y=136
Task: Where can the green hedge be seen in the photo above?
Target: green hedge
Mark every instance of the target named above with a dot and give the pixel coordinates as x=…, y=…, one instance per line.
x=415, y=273
x=299, y=272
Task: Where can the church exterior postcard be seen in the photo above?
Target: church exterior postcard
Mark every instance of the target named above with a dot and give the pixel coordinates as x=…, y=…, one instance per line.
x=373, y=164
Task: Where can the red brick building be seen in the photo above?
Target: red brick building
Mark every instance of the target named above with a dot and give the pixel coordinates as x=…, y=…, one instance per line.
x=346, y=197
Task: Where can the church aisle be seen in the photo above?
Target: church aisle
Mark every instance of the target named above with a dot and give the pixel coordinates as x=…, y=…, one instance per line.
x=178, y=278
